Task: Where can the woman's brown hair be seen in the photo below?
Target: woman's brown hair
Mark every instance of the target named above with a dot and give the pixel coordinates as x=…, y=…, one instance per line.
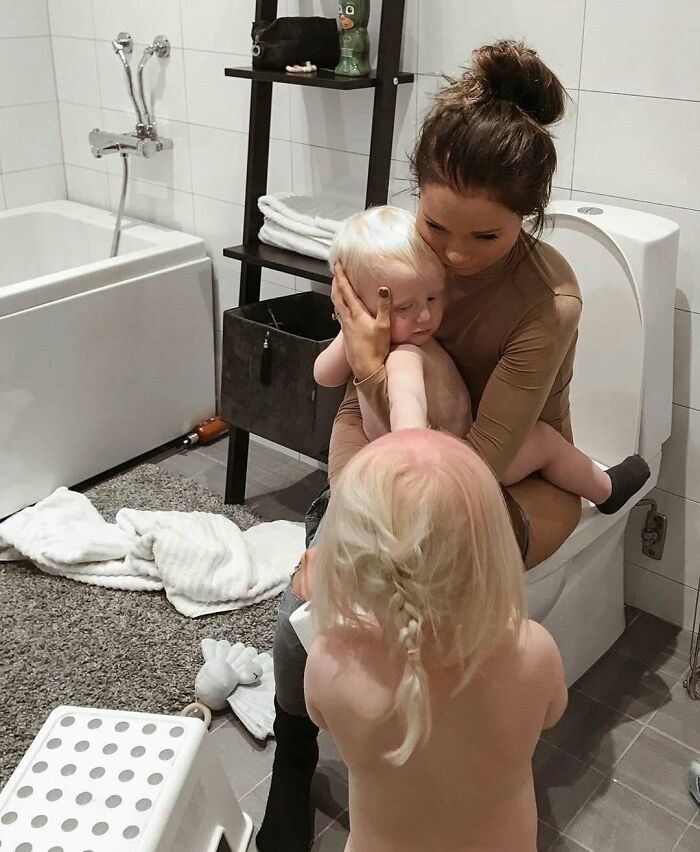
x=487, y=131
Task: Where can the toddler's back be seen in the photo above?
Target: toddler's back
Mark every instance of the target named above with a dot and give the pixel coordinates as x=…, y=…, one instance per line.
x=470, y=789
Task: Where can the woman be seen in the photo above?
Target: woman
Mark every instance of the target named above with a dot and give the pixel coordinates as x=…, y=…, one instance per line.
x=484, y=160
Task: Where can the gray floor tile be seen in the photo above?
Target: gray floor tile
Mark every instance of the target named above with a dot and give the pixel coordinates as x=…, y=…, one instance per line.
x=679, y=718
x=264, y=459
x=329, y=789
x=562, y=785
x=189, y=464
x=218, y=451
x=333, y=839
x=618, y=820
x=631, y=614
x=253, y=803
x=593, y=732
x=214, y=479
x=326, y=809
x=627, y=685
x=690, y=842
x=546, y=836
x=652, y=631
x=663, y=647
x=289, y=503
x=657, y=767
x=246, y=760
x=565, y=844
x=221, y=718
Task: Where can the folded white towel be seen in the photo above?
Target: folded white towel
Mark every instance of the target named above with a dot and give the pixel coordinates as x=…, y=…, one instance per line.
x=277, y=213
x=203, y=561
x=323, y=213
x=274, y=235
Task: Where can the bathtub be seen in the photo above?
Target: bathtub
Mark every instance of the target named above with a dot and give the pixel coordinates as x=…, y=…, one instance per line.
x=101, y=359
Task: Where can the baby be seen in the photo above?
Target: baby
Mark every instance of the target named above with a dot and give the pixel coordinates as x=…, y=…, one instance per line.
x=425, y=389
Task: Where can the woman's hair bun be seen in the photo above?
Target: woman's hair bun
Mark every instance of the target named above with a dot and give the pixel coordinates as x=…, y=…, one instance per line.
x=510, y=71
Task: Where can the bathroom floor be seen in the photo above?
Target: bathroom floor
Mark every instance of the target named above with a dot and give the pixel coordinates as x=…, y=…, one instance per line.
x=610, y=777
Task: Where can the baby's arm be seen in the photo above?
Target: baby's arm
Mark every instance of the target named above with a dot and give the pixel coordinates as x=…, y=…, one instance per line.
x=408, y=405
x=331, y=368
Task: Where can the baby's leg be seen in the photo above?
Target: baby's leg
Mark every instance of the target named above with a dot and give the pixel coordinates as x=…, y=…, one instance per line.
x=564, y=465
x=560, y=463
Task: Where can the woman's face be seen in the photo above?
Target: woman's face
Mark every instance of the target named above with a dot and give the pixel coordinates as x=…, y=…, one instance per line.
x=467, y=231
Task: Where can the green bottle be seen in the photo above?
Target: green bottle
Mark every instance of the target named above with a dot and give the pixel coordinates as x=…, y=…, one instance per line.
x=354, y=38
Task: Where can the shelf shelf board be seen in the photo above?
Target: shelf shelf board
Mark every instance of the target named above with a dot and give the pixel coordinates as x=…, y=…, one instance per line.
x=270, y=257
x=321, y=79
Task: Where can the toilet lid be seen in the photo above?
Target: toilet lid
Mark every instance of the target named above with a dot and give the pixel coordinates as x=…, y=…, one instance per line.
x=606, y=390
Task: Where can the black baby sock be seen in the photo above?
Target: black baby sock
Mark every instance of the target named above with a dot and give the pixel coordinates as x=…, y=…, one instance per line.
x=627, y=478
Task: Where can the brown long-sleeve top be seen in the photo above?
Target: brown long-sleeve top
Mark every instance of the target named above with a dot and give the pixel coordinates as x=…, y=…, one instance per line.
x=511, y=331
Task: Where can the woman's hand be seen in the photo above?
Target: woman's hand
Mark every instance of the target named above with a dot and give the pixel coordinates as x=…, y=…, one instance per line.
x=302, y=579
x=367, y=338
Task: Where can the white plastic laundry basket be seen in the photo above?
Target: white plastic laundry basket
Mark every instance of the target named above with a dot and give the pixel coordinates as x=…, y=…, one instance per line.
x=112, y=781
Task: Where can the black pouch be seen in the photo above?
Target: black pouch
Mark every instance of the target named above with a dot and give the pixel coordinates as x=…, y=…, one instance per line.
x=294, y=41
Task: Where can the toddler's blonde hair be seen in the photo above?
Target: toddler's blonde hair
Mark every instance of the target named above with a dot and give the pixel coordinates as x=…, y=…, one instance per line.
x=376, y=236
x=417, y=537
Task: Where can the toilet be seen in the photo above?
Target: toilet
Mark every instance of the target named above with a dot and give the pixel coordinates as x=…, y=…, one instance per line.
x=621, y=403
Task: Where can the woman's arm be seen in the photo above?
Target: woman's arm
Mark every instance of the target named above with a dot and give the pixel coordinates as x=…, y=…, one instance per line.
x=519, y=386
x=408, y=405
x=331, y=368
x=348, y=437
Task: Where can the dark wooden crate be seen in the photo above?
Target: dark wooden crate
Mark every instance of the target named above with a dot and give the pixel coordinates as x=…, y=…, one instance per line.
x=280, y=401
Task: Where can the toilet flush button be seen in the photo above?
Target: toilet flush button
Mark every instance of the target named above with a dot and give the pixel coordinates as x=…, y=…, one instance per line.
x=590, y=211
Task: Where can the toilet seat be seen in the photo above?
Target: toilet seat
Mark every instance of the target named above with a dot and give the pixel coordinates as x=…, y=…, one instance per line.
x=545, y=582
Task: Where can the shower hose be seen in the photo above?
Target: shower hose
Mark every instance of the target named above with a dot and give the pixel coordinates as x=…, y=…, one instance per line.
x=120, y=211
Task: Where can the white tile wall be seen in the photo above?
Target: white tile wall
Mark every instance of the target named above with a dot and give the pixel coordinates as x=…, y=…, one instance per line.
x=27, y=18
x=71, y=18
x=451, y=29
x=31, y=155
x=657, y=54
x=30, y=137
x=630, y=137
x=624, y=146
x=31, y=186
x=26, y=71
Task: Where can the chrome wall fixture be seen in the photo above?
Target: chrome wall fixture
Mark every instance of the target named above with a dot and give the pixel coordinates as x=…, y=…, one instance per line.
x=144, y=141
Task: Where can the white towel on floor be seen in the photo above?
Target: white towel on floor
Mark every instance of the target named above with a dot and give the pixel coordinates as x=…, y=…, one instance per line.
x=203, y=561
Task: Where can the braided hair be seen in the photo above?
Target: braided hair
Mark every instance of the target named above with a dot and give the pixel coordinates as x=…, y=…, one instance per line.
x=417, y=539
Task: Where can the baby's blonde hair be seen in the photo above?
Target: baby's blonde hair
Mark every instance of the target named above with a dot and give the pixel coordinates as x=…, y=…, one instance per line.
x=417, y=537
x=376, y=236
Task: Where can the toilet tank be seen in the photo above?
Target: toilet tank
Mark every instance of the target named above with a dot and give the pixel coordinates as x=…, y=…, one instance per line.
x=625, y=262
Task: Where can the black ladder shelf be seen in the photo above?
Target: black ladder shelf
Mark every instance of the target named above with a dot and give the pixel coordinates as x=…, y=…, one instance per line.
x=256, y=256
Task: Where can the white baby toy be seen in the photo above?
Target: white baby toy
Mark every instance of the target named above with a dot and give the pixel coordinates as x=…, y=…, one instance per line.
x=239, y=676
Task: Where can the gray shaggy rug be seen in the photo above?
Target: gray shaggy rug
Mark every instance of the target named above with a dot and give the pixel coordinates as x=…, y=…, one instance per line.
x=63, y=642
